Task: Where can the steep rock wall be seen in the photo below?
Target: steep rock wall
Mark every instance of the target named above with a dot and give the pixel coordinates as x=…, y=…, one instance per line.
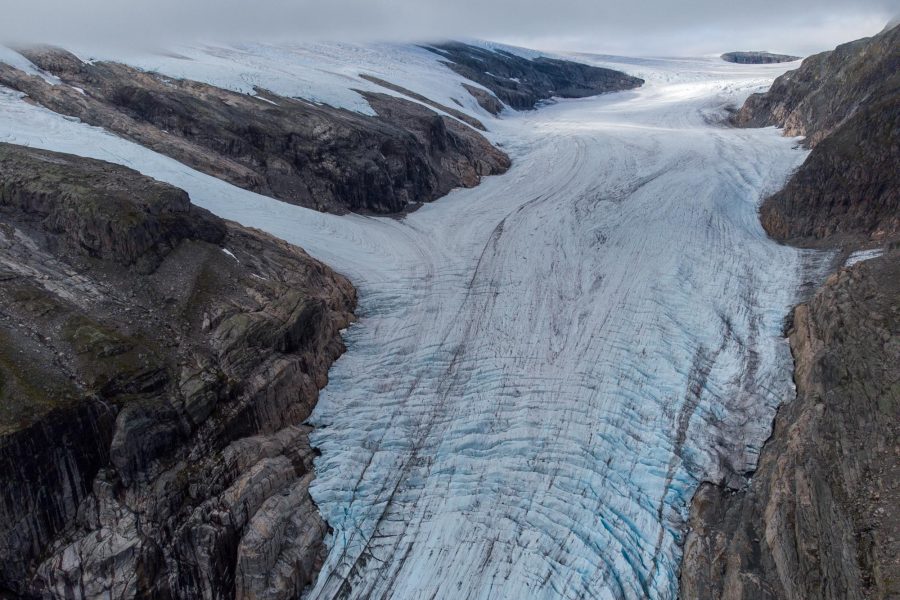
x=819, y=516
x=156, y=369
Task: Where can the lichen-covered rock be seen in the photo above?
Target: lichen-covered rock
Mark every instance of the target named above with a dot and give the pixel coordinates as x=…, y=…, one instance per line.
x=152, y=390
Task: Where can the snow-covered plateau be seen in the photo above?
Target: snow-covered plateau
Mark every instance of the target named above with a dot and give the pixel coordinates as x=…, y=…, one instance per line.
x=547, y=365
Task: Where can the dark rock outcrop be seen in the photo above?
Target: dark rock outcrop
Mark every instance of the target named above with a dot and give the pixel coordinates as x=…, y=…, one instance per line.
x=485, y=99
x=848, y=189
x=153, y=389
x=125, y=220
x=847, y=104
x=819, y=518
x=315, y=156
x=522, y=83
x=828, y=88
x=757, y=57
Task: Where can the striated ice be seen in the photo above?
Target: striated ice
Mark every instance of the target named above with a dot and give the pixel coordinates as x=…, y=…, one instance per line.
x=545, y=366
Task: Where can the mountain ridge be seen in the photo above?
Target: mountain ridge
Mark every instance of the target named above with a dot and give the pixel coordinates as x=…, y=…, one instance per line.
x=846, y=102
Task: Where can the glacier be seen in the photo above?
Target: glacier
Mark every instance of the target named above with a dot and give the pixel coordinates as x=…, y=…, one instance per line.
x=546, y=366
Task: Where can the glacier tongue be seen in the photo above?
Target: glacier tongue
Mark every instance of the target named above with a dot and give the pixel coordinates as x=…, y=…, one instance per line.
x=546, y=365
x=535, y=389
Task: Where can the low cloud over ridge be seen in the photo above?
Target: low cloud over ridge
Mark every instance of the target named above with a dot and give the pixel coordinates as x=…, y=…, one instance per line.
x=660, y=27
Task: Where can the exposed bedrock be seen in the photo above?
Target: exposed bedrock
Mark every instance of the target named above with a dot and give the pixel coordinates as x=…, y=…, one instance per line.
x=827, y=88
x=156, y=366
x=522, y=83
x=847, y=104
x=755, y=57
x=848, y=189
x=307, y=154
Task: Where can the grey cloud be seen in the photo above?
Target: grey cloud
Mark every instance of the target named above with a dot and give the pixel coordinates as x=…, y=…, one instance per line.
x=621, y=26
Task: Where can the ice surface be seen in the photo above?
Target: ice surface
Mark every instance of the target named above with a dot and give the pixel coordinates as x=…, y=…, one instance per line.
x=546, y=365
x=527, y=410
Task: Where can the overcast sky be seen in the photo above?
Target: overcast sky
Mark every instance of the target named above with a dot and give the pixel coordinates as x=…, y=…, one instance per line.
x=636, y=27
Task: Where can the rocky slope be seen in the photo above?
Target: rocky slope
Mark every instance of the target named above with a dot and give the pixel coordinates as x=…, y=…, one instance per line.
x=828, y=88
x=754, y=57
x=156, y=367
x=522, y=82
x=818, y=518
x=847, y=104
x=297, y=151
x=848, y=189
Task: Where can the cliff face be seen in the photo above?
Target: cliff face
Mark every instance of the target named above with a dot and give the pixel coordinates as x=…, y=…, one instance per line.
x=156, y=366
x=818, y=518
x=828, y=88
x=307, y=154
x=848, y=189
x=522, y=83
x=846, y=102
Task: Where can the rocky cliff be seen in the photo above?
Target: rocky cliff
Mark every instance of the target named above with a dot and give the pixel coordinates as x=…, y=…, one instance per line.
x=828, y=88
x=818, y=518
x=522, y=83
x=156, y=367
x=848, y=189
x=300, y=152
x=755, y=57
x=847, y=104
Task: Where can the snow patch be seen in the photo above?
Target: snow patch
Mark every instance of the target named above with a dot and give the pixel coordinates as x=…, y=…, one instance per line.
x=258, y=97
x=231, y=254
x=320, y=72
x=861, y=255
